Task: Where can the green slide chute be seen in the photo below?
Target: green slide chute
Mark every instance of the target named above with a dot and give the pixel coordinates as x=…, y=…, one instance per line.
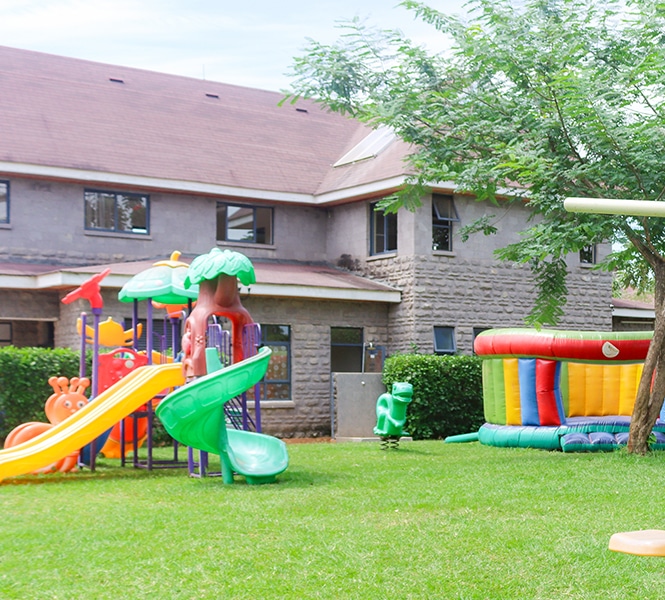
x=194, y=415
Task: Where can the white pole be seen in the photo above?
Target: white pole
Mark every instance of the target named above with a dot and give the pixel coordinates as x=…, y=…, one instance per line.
x=609, y=206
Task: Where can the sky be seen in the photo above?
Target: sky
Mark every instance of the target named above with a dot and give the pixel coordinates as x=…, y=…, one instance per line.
x=250, y=43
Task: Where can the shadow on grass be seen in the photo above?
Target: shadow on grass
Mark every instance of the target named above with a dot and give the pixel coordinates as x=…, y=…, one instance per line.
x=102, y=472
x=293, y=477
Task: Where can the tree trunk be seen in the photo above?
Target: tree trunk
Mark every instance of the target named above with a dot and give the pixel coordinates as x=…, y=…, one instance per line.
x=651, y=390
x=218, y=296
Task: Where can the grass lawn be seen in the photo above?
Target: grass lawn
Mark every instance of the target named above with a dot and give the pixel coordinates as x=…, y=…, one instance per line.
x=430, y=520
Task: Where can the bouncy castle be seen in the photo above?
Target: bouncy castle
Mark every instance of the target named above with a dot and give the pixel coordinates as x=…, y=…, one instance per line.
x=561, y=390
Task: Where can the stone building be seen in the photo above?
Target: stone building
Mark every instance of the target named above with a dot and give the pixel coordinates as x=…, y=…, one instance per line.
x=107, y=166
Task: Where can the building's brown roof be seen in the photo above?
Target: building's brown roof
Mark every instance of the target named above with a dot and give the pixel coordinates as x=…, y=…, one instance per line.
x=267, y=272
x=300, y=274
x=273, y=278
x=26, y=269
x=74, y=114
x=630, y=303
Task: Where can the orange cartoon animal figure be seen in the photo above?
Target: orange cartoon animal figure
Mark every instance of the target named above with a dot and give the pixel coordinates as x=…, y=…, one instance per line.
x=67, y=398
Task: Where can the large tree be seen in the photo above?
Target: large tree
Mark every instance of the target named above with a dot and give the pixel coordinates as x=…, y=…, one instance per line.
x=531, y=102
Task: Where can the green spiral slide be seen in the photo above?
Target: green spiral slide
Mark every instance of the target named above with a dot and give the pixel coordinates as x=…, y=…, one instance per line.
x=194, y=415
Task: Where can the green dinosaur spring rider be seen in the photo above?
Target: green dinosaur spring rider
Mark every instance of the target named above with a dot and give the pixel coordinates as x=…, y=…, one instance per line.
x=391, y=414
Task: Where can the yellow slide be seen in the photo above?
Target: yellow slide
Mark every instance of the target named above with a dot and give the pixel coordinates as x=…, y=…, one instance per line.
x=85, y=425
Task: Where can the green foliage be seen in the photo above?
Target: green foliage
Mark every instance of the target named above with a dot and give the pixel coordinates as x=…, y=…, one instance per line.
x=24, y=388
x=447, y=393
x=533, y=102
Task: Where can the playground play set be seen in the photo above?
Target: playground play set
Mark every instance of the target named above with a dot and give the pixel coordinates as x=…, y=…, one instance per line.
x=191, y=397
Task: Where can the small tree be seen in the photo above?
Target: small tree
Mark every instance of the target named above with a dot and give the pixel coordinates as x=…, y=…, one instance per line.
x=531, y=104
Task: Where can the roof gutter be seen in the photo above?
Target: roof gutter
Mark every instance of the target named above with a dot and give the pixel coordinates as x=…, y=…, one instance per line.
x=634, y=313
x=197, y=187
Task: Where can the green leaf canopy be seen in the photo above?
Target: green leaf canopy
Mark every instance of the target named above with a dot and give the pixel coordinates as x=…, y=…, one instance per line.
x=220, y=262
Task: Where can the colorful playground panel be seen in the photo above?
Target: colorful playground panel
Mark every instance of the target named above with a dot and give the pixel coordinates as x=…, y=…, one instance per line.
x=567, y=390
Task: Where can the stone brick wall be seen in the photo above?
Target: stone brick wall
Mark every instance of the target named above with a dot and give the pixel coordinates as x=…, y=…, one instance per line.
x=21, y=305
x=446, y=291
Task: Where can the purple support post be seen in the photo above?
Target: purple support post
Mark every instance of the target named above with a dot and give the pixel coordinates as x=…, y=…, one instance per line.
x=96, y=315
x=174, y=337
x=82, y=364
x=148, y=345
x=251, y=342
x=135, y=322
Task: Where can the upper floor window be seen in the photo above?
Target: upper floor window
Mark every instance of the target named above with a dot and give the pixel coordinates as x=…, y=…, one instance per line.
x=588, y=255
x=240, y=223
x=444, y=215
x=116, y=211
x=4, y=201
x=382, y=230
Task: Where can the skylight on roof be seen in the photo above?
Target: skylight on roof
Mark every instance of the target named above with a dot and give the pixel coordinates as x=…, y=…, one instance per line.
x=369, y=147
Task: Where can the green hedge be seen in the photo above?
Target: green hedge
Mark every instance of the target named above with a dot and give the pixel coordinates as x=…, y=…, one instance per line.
x=24, y=388
x=447, y=393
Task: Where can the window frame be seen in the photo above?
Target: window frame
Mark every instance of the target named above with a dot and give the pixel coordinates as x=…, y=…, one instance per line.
x=5, y=220
x=6, y=333
x=476, y=332
x=444, y=350
x=593, y=250
x=141, y=232
x=387, y=219
x=443, y=223
x=265, y=382
x=254, y=208
x=358, y=345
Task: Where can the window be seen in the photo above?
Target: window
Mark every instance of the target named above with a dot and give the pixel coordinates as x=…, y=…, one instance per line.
x=249, y=224
x=444, y=215
x=4, y=201
x=383, y=231
x=276, y=385
x=444, y=340
x=5, y=334
x=116, y=212
x=588, y=255
x=346, y=349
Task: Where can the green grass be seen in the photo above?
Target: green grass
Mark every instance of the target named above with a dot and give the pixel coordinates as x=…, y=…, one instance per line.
x=430, y=520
